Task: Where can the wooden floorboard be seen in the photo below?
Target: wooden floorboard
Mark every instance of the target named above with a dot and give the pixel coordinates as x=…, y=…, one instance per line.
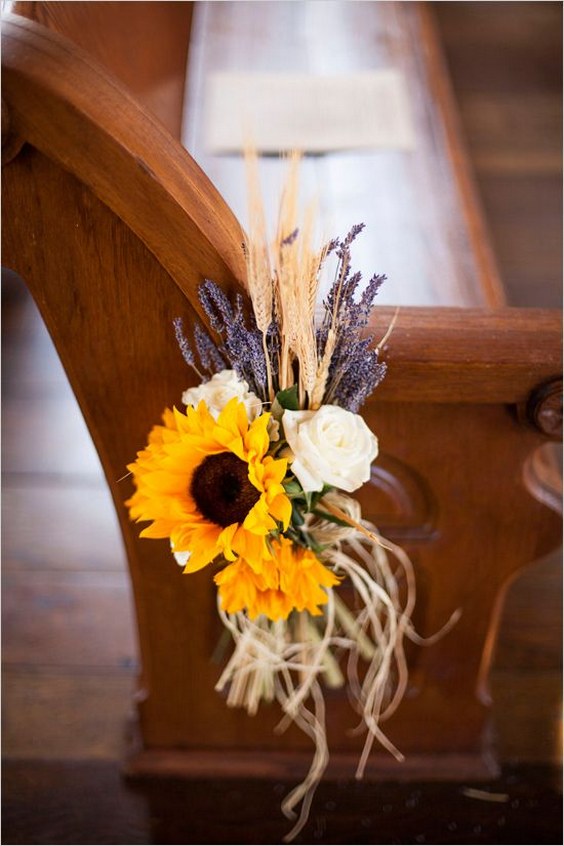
x=88, y=713
x=79, y=803
x=73, y=618
x=48, y=515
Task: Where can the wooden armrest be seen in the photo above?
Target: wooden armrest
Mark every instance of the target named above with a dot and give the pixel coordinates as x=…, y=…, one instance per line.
x=455, y=355
x=62, y=102
x=144, y=45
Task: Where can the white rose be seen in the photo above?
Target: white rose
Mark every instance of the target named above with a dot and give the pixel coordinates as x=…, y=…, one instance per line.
x=219, y=390
x=331, y=446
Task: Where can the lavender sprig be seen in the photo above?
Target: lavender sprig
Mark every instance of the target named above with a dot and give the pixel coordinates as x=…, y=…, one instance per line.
x=184, y=345
x=210, y=356
x=241, y=347
x=354, y=371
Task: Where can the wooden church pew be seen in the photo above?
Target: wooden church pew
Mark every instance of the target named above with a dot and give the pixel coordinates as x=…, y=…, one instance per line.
x=112, y=225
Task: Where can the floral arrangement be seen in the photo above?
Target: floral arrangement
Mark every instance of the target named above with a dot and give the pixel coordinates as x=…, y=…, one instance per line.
x=254, y=479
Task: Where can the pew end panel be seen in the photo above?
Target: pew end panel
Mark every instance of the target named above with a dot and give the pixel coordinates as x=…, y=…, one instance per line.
x=112, y=226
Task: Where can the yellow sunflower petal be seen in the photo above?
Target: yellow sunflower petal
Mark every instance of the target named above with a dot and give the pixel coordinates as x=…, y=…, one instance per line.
x=281, y=509
x=257, y=440
x=258, y=521
x=293, y=579
x=158, y=529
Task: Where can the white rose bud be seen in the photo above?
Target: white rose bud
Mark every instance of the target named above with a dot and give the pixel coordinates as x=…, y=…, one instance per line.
x=331, y=446
x=221, y=388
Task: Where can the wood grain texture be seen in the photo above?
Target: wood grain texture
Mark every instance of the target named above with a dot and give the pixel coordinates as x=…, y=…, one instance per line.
x=534, y=647
x=144, y=45
x=525, y=702
x=41, y=518
x=130, y=162
x=88, y=713
x=67, y=612
x=528, y=236
x=108, y=298
x=423, y=223
x=505, y=354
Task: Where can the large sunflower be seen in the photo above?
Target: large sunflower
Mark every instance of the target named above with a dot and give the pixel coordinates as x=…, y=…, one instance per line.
x=210, y=486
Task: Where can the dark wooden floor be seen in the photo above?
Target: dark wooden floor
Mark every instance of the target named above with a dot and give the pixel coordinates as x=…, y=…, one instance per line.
x=69, y=647
x=87, y=802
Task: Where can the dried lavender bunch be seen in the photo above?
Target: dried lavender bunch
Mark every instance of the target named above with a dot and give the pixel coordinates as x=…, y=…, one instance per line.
x=354, y=370
x=241, y=347
x=348, y=369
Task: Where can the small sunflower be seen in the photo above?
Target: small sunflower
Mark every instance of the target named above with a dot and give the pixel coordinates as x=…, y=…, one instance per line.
x=293, y=580
x=210, y=486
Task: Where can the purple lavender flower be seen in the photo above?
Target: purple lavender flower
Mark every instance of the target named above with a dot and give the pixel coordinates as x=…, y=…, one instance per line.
x=184, y=344
x=210, y=356
x=354, y=371
x=289, y=239
x=241, y=346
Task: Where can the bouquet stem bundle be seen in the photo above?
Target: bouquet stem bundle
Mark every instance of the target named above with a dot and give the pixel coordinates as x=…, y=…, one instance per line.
x=287, y=660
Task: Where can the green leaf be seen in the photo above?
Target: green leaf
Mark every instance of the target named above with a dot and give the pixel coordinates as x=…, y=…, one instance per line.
x=293, y=488
x=295, y=536
x=288, y=398
x=297, y=516
x=317, y=496
x=311, y=544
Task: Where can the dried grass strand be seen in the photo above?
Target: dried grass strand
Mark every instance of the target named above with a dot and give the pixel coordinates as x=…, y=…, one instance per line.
x=259, y=269
x=271, y=661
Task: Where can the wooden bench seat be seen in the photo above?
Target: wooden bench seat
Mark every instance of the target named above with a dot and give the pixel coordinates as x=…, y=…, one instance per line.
x=423, y=224
x=112, y=225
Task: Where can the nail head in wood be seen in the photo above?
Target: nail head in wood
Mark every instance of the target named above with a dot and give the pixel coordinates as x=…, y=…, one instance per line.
x=544, y=408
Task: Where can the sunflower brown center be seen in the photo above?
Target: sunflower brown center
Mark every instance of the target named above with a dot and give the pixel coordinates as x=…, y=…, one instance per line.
x=221, y=489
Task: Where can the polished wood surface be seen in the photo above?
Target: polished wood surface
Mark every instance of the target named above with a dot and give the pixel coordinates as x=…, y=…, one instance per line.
x=124, y=369
x=144, y=45
x=58, y=581
x=423, y=226
x=428, y=362
x=126, y=147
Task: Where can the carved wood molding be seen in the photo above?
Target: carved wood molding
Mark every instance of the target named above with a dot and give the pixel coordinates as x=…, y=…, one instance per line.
x=400, y=501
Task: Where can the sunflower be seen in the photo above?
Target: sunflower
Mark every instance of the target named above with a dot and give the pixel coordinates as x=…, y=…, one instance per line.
x=210, y=486
x=293, y=580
